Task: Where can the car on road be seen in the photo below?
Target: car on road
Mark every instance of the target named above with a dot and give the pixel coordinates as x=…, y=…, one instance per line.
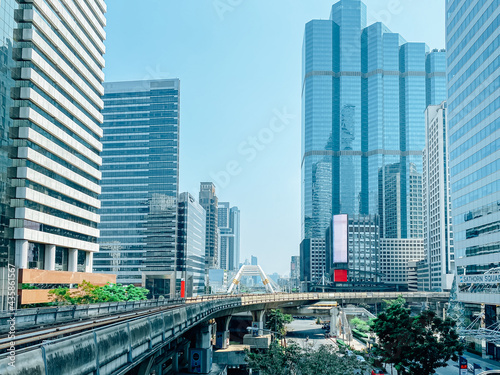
x=378, y=371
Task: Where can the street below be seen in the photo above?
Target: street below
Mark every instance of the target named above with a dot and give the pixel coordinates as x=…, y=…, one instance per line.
x=306, y=332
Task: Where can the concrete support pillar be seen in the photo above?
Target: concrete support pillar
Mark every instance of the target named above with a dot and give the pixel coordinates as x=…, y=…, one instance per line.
x=200, y=357
x=22, y=247
x=89, y=261
x=258, y=322
x=50, y=257
x=222, y=335
x=72, y=260
x=204, y=336
x=334, y=321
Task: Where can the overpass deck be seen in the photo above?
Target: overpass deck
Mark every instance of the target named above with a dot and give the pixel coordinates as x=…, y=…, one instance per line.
x=115, y=344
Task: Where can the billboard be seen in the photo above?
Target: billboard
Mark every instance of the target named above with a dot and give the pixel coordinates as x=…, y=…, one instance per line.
x=340, y=276
x=485, y=278
x=339, y=239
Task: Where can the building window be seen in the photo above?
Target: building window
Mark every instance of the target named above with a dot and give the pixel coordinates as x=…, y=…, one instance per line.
x=36, y=256
x=61, y=259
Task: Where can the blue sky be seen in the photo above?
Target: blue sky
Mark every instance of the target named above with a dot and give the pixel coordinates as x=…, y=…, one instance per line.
x=239, y=62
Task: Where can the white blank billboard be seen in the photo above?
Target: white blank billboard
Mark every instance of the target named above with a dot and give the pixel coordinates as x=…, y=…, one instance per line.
x=339, y=239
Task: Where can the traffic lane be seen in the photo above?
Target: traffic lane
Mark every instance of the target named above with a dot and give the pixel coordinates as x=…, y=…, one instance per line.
x=307, y=331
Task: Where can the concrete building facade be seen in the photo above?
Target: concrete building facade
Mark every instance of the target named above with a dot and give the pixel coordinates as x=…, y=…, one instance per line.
x=209, y=201
x=438, y=233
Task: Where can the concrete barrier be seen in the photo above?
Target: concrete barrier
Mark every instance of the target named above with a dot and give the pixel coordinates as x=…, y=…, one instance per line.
x=113, y=347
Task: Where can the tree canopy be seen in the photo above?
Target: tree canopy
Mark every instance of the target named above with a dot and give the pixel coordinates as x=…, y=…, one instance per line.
x=276, y=321
x=295, y=360
x=414, y=344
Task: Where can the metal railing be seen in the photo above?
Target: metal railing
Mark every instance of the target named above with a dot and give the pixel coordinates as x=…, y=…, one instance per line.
x=45, y=316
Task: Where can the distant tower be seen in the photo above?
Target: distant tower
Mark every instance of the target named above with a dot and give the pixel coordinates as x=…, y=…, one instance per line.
x=234, y=223
x=226, y=236
x=209, y=201
x=229, y=236
x=191, y=244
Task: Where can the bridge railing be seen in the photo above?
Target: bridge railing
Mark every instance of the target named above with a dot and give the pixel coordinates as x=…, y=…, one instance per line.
x=31, y=318
x=114, y=348
x=36, y=317
x=249, y=299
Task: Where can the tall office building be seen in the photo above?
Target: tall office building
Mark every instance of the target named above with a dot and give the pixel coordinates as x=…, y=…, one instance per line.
x=229, y=236
x=391, y=200
x=140, y=183
x=295, y=272
x=312, y=262
x=226, y=236
x=234, y=223
x=473, y=40
x=364, y=93
x=209, y=202
x=53, y=179
x=7, y=254
x=365, y=90
x=395, y=257
x=191, y=245
x=352, y=247
x=438, y=235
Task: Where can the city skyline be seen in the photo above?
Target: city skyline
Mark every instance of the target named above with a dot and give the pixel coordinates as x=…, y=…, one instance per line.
x=336, y=146
x=274, y=98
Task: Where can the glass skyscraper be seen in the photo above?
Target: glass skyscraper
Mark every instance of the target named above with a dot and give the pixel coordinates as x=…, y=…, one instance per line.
x=473, y=43
x=209, y=201
x=191, y=244
x=6, y=65
x=229, y=236
x=140, y=175
x=364, y=93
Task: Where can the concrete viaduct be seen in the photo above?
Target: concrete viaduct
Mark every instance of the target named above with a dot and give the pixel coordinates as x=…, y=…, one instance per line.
x=142, y=336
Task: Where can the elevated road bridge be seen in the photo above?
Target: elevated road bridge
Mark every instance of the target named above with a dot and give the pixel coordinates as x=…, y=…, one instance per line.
x=139, y=337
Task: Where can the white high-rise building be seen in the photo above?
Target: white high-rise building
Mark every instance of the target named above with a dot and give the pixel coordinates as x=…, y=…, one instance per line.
x=438, y=235
x=229, y=236
x=57, y=122
x=395, y=257
x=56, y=137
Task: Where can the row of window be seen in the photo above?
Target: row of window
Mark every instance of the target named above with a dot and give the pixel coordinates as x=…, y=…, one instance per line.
x=477, y=119
x=475, y=65
x=472, y=32
x=487, y=170
x=478, y=99
x=473, y=49
x=480, y=79
x=478, y=194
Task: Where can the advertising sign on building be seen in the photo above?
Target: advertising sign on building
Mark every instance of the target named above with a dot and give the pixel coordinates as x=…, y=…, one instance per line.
x=479, y=279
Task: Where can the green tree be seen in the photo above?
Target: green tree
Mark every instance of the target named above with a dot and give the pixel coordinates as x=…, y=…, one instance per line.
x=414, y=345
x=276, y=321
x=360, y=325
x=87, y=293
x=294, y=360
